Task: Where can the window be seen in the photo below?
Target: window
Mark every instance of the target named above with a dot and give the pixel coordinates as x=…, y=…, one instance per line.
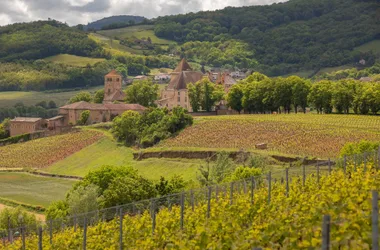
x=179, y=98
x=109, y=91
x=185, y=98
x=179, y=93
x=109, y=79
x=118, y=79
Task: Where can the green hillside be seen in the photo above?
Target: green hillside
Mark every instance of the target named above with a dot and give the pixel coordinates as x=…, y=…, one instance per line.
x=28, y=98
x=71, y=60
x=35, y=40
x=107, y=152
x=293, y=36
x=139, y=31
x=373, y=46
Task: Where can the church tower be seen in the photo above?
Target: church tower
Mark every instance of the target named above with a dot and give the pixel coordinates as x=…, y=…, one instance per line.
x=112, y=87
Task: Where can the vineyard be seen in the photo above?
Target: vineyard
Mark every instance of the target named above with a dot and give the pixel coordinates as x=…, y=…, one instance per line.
x=296, y=134
x=256, y=212
x=43, y=152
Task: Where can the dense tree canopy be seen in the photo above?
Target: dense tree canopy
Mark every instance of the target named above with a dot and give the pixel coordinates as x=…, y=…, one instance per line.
x=150, y=127
x=143, y=92
x=286, y=37
x=204, y=95
x=41, y=39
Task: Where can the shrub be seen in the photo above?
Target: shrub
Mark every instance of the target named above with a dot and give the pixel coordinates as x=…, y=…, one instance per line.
x=84, y=116
x=359, y=148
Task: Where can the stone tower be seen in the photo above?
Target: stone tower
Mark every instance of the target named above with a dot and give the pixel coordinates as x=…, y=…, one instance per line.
x=112, y=88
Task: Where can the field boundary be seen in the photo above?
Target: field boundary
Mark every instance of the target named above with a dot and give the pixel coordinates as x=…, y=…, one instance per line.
x=44, y=174
x=29, y=207
x=212, y=155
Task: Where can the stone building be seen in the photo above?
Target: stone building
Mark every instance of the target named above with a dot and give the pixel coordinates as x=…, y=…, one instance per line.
x=26, y=125
x=105, y=112
x=112, y=87
x=225, y=80
x=98, y=112
x=176, y=93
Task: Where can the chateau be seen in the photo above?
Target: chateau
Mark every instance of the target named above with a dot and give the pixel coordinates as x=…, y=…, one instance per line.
x=176, y=93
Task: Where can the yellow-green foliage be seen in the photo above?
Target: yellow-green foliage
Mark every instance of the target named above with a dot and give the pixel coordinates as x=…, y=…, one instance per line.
x=292, y=222
x=72, y=60
x=140, y=31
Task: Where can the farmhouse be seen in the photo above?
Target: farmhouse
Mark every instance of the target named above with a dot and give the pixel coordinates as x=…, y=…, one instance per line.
x=26, y=125
x=98, y=112
x=176, y=93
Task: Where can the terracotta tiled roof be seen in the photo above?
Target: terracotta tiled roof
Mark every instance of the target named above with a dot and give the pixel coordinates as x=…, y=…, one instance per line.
x=180, y=80
x=116, y=96
x=26, y=119
x=124, y=106
x=85, y=106
x=109, y=106
x=183, y=66
x=113, y=73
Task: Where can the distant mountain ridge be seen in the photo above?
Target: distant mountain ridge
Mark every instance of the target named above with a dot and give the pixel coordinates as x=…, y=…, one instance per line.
x=99, y=24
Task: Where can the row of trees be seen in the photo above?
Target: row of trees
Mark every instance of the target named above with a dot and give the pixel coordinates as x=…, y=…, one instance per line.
x=260, y=94
x=41, y=109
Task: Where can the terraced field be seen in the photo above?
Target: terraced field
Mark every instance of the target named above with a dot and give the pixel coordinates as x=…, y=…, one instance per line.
x=43, y=152
x=296, y=134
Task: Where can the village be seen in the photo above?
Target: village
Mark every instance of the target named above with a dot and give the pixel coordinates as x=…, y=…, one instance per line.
x=173, y=95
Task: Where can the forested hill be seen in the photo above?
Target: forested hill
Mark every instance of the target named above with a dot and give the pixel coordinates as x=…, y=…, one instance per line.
x=40, y=39
x=286, y=37
x=114, y=20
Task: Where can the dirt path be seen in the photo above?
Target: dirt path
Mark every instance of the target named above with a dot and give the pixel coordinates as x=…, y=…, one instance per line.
x=40, y=217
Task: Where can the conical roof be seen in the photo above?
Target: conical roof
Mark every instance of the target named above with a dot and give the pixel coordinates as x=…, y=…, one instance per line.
x=183, y=66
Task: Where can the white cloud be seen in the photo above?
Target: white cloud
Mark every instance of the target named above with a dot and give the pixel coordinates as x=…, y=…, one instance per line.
x=84, y=11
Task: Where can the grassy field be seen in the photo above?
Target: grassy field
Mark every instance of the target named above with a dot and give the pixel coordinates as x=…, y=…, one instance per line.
x=43, y=152
x=139, y=31
x=112, y=45
x=334, y=69
x=10, y=98
x=108, y=152
x=295, y=134
x=71, y=60
x=31, y=189
x=371, y=46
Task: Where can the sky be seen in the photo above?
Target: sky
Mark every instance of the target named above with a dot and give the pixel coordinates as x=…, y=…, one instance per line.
x=83, y=11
